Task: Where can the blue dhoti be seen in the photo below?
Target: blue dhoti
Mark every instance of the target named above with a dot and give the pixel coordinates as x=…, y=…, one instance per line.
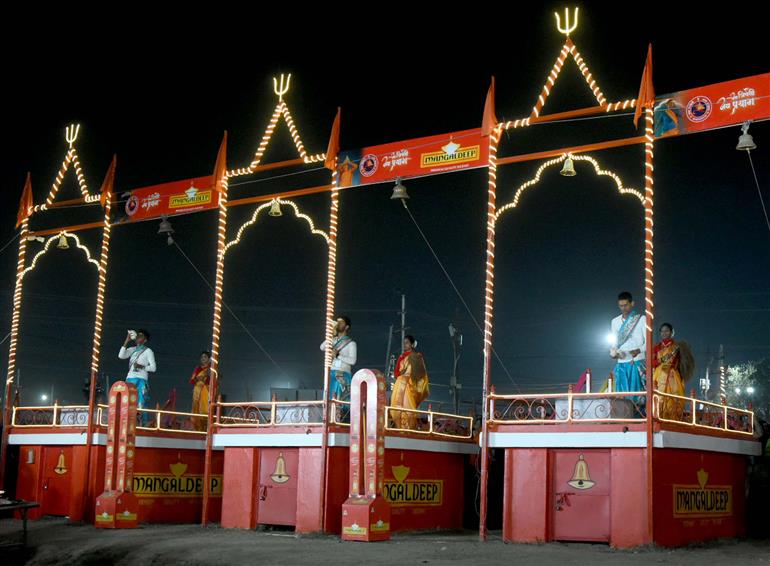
x=143, y=392
x=339, y=385
x=628, y=376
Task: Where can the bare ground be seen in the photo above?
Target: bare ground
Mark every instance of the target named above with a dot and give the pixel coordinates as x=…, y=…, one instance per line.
x=53, y=541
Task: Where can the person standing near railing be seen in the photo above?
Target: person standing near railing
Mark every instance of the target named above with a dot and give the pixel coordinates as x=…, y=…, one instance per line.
x=412, y=386
x=200, y=398
x=672, y=364
x=141, y=361
x=628, y=332
x=344, y=357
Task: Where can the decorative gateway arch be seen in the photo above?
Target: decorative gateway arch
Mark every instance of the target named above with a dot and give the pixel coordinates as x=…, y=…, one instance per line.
x=214, y=188
x=62, y=236
x=576, y=442
x=272, y=204
x=272, y=470
x=294, y=452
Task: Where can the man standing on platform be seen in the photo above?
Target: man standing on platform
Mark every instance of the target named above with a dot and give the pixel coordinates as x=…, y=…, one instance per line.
x=629, y=336
x=344, y=356
x=141, y=360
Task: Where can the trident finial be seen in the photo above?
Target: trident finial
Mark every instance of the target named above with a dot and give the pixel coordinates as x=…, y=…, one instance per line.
x=569, y=27
x=71, y=133
x=280, y=88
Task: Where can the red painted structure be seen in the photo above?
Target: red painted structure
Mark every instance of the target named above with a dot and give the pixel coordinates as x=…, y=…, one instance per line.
x=366, y=513
x=54, y=468
x=423, y=472
x=588, y=482
x=117, y=506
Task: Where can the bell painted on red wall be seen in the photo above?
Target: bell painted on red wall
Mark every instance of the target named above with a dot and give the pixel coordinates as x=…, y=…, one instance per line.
x=581, y=478
x=61, y=465
x=280, y=475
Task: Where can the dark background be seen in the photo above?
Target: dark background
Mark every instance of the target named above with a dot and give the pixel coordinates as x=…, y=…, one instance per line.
x=159, y=92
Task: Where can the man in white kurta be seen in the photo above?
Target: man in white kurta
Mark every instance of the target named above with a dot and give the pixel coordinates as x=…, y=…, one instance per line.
x=141, y=361
x=630, y=345
x=344, y=357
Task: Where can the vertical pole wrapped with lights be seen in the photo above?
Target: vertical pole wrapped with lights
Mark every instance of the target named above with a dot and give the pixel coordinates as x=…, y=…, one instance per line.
x=15, y=317
x=649, y=304
x=331, y=284
x=645, y=103
x=106, y=201
x=649, y=264
x=331, y=280
x=493, y=130
x=25, y=210
x=220, y=185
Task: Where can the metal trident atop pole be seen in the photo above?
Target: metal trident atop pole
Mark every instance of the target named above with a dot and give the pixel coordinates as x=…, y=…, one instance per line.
x=71, y=133
x=569, y=27
x=281, y=88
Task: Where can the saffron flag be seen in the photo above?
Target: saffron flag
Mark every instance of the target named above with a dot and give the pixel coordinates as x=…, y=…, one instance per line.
x=489, y=121
x=25, y=204
x=334, y=143
x=108, y=184
x=646, y=90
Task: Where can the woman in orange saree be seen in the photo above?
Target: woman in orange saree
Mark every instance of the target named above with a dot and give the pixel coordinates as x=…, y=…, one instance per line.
x=200, y=398
x=411, y=387
x=666, y=375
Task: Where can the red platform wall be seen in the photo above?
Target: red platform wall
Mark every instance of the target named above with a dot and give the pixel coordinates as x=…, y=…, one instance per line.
x=676, y=467
x=73, y=498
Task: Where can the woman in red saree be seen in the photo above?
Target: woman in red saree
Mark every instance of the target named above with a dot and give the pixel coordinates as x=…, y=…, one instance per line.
x=200, y=399
x=411, y=387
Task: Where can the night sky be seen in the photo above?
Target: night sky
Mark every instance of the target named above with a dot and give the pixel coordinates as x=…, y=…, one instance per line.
x=161, y=95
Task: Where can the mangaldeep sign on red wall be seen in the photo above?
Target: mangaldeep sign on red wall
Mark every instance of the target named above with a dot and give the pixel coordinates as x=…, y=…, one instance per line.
x=171, y=199
x=413, y=158
x=713, y=106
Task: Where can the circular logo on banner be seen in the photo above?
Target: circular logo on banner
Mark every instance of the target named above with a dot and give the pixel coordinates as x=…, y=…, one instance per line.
x=699, y=109
x=369, y=164
x=132, y=205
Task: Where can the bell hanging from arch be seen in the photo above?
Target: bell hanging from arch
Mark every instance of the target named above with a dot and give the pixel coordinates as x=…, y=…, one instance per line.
x=568, y=170
x=275, y=209
x=62, y=243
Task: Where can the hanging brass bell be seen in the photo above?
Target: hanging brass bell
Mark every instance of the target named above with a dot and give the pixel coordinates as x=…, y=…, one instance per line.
x=568, y=170
x=275, y=209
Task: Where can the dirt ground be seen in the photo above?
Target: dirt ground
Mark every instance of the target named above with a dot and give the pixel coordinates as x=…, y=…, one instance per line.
x=53, y=541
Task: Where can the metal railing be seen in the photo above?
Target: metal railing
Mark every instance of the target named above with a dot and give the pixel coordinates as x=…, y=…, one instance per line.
x=59, y=416
x=701, y=414
x=263, y=414
x=160, y=420
x=269, y=413
x=615, y=407
x=339, y=413
x=428, y=423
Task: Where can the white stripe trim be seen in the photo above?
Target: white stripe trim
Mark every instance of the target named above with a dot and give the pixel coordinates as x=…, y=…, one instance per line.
x=257, y=440
x=100, y=439
x=160, y=442
x=341, y=439
x=447, y=447
x=568, y=440
x=671, y=439
x=662, y=439
x=69, y=438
